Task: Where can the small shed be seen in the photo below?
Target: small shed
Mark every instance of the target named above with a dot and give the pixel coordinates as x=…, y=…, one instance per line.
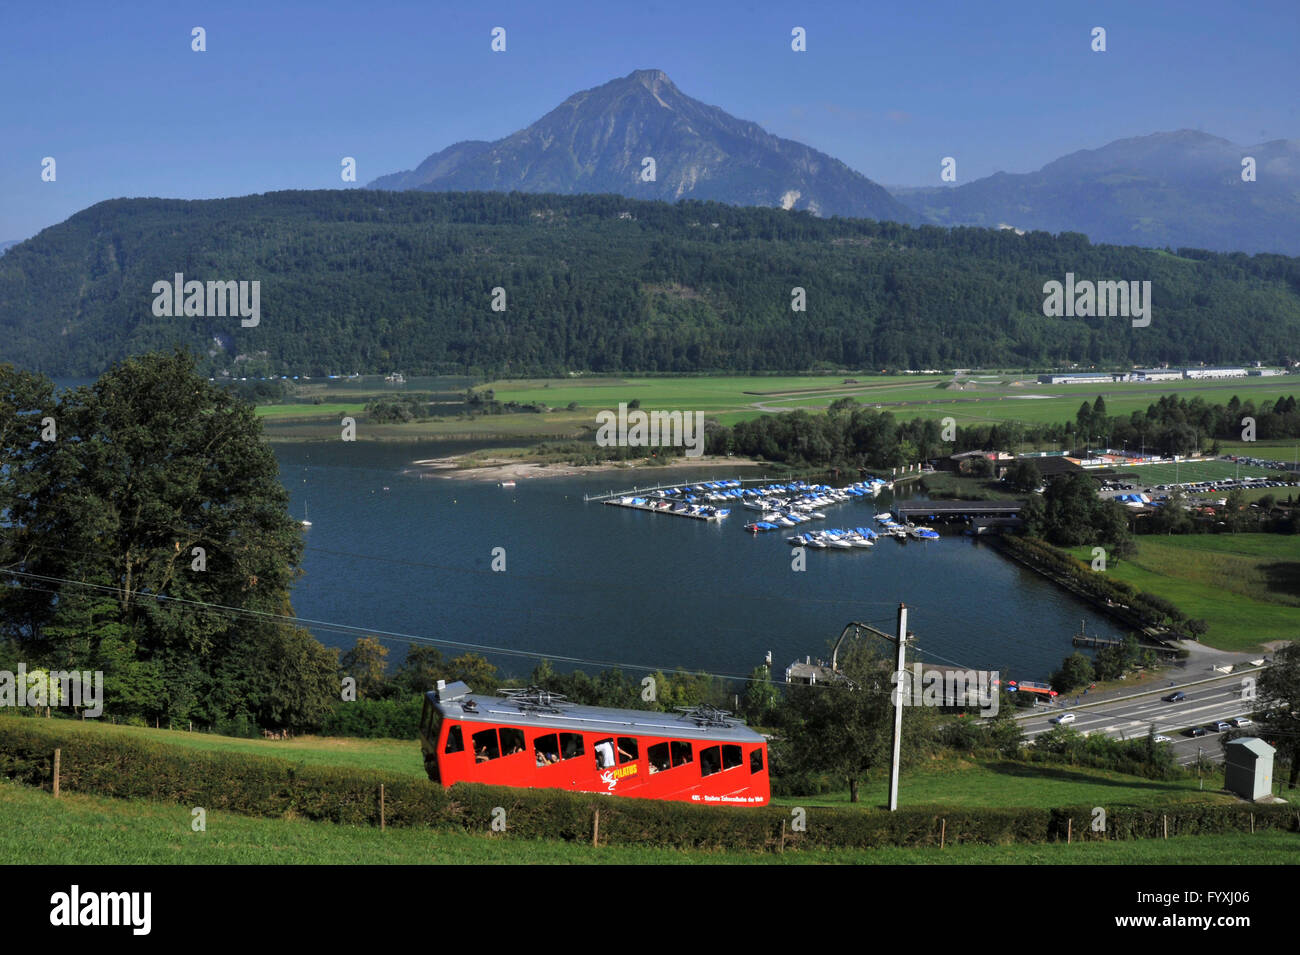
x=1249, y=768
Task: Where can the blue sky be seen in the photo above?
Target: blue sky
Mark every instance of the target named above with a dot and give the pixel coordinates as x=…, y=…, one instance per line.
x=285, y=90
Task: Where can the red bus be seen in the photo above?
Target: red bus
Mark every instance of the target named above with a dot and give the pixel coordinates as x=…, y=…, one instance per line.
x=536, y=739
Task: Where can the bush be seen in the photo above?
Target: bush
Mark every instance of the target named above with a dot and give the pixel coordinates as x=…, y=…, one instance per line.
x=375, y=719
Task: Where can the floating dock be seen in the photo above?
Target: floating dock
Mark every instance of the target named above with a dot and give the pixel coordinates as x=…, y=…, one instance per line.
x=705, y=513
x=734, y=482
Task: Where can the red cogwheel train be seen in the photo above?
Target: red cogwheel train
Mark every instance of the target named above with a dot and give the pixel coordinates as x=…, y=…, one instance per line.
x=537, y=739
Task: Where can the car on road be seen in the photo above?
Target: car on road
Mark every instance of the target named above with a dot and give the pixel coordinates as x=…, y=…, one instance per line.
x=1222, y=727
x=1174, y=697
x=1243, y=721
x=1163, y=739
x=1063, y=718
x=1197, y=731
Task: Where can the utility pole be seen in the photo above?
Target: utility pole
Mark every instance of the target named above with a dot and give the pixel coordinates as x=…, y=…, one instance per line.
x=901, y=642
x=900, y=676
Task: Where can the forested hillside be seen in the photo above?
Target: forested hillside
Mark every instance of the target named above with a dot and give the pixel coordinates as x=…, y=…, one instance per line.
x=373, y=281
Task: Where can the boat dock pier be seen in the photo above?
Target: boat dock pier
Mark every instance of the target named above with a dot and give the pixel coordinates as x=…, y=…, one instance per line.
x=1084, y=639
x=606, y=495
x=906, y=511
x=703, y=514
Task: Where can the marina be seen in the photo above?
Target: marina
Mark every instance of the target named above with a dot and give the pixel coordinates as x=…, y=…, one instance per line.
x=776, y=506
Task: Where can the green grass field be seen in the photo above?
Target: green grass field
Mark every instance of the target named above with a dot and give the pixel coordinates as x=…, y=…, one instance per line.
x=982, y=783
x=1194, y=471
x=89, y=830
x=993, y=398
x=81, y=829
x=1245, y=586
x=386, y=755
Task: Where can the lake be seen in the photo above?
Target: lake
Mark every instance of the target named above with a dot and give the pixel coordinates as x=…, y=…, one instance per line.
x=393, y=551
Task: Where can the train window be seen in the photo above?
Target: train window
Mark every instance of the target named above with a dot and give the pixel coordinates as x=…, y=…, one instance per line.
x=658, y=754
x=512, y=740
x=756, y=761
x=571, y=745
x=710, y=761
x=604, y=751
x=627, y=749
x=485, y=746
x=547, y=749
x=455, y=742
x=731, y=757
x=681, y=753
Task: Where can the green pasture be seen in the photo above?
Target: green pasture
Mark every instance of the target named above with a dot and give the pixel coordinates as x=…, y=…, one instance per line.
x=990, y=399
x=36, y=828
x=1186, y=472
x=1245, y=586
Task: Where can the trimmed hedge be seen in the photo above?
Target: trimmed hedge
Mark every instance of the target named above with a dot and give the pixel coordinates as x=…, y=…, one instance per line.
x=113, y=765
x=267, y=786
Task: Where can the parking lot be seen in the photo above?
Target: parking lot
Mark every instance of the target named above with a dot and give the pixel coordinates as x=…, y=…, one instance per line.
x=1196, y=478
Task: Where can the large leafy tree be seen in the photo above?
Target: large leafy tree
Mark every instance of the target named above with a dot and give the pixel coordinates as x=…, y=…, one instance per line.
x=150, y=537
x=1279, y=691
x=844, y=729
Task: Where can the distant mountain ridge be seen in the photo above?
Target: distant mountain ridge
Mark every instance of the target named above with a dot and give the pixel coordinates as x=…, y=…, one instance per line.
x=1179, y=189
x=6, y=245
x=371, y=281
x=1176, y=189
x=596, y=141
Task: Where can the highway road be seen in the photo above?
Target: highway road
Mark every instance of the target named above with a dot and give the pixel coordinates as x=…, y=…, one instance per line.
x=1219, y=697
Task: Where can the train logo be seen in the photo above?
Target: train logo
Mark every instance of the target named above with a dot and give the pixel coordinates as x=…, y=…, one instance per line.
x=610, y=777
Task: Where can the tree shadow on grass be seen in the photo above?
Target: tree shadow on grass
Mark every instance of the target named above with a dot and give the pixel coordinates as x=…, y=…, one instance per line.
x=1282, y=577
x=1067, y=774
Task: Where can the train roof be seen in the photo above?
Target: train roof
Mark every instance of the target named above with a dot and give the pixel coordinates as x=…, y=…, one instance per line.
x=531, y=708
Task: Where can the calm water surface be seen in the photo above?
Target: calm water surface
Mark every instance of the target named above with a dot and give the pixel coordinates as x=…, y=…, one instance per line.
x=402, y=553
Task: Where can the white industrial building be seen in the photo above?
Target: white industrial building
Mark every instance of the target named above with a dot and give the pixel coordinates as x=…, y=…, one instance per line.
x=1079, y=378
x=1155, y=374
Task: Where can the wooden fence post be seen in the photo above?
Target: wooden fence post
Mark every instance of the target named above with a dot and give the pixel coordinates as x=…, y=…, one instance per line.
x=782, y=835
x=58, y=753
x=943, y=831
x=595, y=828
x=1069, y=829
x=1165, y=820
x=382, y=820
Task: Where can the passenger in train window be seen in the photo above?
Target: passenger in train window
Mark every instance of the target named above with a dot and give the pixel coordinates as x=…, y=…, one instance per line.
x=658, y=757
x=512, y=740
x=548, y=749
x=455, y=743
x=604, y=754
x=681, y=753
